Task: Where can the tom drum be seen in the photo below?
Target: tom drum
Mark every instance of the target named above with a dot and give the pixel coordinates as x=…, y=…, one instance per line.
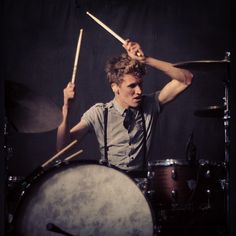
x=172, y=183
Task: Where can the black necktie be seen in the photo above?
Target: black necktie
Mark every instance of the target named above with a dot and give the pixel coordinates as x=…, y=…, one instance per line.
x=128, y=118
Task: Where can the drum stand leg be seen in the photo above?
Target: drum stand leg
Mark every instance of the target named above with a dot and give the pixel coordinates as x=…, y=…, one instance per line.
x=7, y=151
x=227, y=143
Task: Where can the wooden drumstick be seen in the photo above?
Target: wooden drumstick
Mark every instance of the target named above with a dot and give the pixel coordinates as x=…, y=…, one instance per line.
x=109, y=30
x=45, y=164
x=69, y=158
x=77, y=56
x=106, y=28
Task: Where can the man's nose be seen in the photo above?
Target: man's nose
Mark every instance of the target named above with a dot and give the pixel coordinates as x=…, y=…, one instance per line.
x=138, y=90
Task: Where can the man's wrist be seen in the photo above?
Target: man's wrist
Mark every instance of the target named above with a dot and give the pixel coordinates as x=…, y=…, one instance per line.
x=65, y=109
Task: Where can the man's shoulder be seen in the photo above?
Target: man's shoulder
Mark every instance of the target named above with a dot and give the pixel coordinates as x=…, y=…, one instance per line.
x=101, y=105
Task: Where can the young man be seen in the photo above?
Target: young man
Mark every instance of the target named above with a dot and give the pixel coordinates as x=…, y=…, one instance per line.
x=124, y=126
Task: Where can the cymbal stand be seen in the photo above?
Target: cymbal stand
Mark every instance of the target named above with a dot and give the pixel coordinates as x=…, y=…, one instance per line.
x=227, y=140
x=8, y=180
x=7, y=155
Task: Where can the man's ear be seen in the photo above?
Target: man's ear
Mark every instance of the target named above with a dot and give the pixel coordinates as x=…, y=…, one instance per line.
x=115, y=88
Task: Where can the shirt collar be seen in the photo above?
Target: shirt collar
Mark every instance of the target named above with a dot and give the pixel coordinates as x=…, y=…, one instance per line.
x=119, y=108
x=122, y=110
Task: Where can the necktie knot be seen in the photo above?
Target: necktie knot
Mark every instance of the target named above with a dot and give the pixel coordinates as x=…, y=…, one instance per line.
x=128, y=118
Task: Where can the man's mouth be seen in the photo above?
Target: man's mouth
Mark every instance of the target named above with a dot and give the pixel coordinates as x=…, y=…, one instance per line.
x=137, y=99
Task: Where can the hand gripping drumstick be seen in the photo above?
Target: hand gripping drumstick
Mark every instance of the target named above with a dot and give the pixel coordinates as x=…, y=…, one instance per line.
x=77, y=56
x=109, y=30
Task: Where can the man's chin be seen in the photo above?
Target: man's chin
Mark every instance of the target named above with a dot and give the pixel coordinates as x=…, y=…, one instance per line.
x=135, y=105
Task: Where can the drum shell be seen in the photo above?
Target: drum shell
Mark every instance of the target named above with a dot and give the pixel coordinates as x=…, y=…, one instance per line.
x=210, y=191
x=83, y=198
x=172, y=183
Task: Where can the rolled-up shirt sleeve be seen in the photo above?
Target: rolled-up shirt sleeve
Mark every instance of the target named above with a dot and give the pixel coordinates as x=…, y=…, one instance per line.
x=92, y=116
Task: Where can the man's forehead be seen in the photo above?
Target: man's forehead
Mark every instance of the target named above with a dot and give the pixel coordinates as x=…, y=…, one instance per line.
x=128, y=78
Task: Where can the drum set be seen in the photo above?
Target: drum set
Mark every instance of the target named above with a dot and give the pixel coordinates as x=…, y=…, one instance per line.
x=74, y=197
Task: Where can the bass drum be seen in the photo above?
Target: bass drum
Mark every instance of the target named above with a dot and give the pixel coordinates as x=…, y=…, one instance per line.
x=82, y=198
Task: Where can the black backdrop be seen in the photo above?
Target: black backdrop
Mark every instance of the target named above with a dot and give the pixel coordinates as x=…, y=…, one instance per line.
x=39, y=44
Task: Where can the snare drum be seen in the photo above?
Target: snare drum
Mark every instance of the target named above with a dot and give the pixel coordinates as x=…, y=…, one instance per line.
x=82, y=198
x=172, y=183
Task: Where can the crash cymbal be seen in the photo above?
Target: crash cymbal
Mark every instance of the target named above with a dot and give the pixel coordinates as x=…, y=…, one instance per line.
x=210, y=111
x=28, y=111
x=203, y=65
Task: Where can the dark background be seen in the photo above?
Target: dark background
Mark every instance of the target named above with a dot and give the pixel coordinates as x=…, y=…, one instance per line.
x=39, y=43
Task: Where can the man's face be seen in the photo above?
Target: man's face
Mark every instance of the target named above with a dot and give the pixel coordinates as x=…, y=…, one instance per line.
x=128, y=93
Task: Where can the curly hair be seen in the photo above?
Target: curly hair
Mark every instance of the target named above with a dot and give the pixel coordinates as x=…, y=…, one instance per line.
x=117, y=67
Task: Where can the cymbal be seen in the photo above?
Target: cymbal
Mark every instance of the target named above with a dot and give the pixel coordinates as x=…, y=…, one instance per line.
x=210, y=111
x=28, y=111
x=203, y=64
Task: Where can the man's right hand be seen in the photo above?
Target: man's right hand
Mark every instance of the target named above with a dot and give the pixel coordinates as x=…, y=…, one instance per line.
x=134, y=50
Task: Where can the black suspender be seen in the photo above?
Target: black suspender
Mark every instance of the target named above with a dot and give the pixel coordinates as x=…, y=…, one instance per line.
x=104, y=160
x=144, y=141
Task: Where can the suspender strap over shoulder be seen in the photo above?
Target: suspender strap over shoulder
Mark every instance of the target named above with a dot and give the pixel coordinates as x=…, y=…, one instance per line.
x=144, y=141
x=104, y=159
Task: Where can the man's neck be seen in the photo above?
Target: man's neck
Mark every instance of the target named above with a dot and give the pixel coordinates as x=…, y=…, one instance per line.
x=120, y=104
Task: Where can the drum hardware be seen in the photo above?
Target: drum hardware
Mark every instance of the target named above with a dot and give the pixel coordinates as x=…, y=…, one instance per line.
x=226, y=120
x=150, y=175
x=222, y=184
x=191, y=151
x=208, y=192
x=173, y=174
x=10, y=181
x=192, y=184
x=210, y=111
x=217, y=111
x=174, y=195
x=210, y=185
x=207, y=174
x=54, y=228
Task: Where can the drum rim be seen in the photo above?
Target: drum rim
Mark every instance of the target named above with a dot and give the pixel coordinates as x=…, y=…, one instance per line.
x=168, y=162
x=206, y=162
